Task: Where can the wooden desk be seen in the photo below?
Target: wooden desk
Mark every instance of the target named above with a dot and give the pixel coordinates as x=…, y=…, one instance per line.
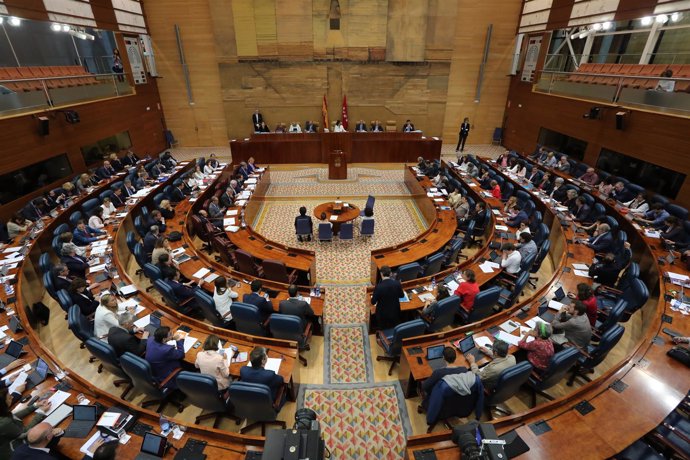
x=346, y=214
x=278, y=148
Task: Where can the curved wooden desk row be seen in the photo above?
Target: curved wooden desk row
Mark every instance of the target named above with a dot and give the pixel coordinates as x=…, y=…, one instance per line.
x=653, y=383
x=277, y=148
x=30, y=289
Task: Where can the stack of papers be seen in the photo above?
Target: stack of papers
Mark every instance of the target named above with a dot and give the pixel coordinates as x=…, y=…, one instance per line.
x=188, y=343
x=272, y=364
x=582, y=267
x=509, y=326
x=533, y=322
x=232, y=228
x=555, y=305
x=652, y=234
x=333, y=218
x=426, y=296
x=483, y=341
x=502, y=228
x=487, y=267
x=581, y=273
x=55, y=400
x=678, y=278
x=142, y=322
x=229, y=222
x=508, y=338
x=232, y=212
x=211, y=278
x=201, y=273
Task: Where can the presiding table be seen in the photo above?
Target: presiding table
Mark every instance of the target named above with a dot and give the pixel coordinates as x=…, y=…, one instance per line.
x=338, y=210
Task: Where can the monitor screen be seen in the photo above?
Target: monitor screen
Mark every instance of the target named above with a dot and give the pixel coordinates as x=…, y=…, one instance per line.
x=467, y=344
x=14, y=349
x=434, y=352
x=153, y=444
x=42, y=368
x=559, y=294
x=154, y=321
x=82, y=412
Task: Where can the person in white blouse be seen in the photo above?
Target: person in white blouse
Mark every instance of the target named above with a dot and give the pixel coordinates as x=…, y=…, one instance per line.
x=96, y=219
x=105, y=317
x=108, y=208
x=294, y=127
x=338, y=127
x=638, y=205
x=208, y=169
x=198, y=174
x=511, y=259
x=524, y=228
x=223, y=296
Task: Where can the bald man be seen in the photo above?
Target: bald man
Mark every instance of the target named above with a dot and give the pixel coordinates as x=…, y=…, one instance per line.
x=39, y=441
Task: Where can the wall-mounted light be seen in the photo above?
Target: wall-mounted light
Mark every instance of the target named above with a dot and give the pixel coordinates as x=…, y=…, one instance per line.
x=662, y=19
x=55, y=27
x=606, y=25
x=596, y=26
x=14, y=21
x=646, y=21
x=65, y=28
x=675, y=17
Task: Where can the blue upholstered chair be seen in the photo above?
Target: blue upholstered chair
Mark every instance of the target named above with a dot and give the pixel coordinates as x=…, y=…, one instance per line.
x=391, y=340
x=290, y=327
x=140, y=373
x=202, y=391
x=247, y=319
x=253, y=401
x=110, y=362
x=508, y=384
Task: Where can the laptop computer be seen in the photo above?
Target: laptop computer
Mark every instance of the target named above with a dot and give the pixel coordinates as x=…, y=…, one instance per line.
x=14, y=350
x=495, y=257
x=434, y=357
x=544, y=312
x=85, y=418
x=561, y=296
x=38, y=375
x=153, y=447
x=154, y=322
x=467, y=347
x=15, y=325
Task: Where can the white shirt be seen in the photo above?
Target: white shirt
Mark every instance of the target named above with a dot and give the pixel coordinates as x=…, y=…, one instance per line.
x=296, y=128
x=95, y=222
x=524, y=230
x=512, y=262
x=339, y=129
x=108, y=210
x=224, y=301
x=208, y=169
x=103, y=320
x=198, y=175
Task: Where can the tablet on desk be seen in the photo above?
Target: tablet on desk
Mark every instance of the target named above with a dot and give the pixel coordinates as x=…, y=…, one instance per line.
x=435, y=352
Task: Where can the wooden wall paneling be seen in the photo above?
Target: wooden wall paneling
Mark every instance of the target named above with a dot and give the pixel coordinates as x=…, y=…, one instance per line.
x=319, y=28
x=365, y=23
x=652, y=137
x=245, y=27
x=406, y=32
x=266, y=29
x=473, y=19
x=224, y=29
x=440, y=30
x=294, y=29
x=201, y=124
x=559, y=15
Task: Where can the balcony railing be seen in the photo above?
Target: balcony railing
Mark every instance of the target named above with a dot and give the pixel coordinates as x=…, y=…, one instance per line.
x=668, y=95
x=22, y=95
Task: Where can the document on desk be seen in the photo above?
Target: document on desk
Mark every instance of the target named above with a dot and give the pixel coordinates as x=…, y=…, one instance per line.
x=97, y=268
x=486, y=267
x=508, y=338
x=452, y=286
x=678, y=278
x=523, y=331
x=201, y=273
x=20, y=380
x=229, y=221
x=211, y=278
x=232, y=229
x=581, y=273
x=12, y=249
x=240, y=203
x=503, y=228
x=333, y=218
x=178, y=251
x=232, y=212
x=581, y=267
x=534, y=321
x=483, y=341
x=426, y=296
x=58, y=398
x=652, y=234
x=143, y=321
x=555, y=305
x=509, y=326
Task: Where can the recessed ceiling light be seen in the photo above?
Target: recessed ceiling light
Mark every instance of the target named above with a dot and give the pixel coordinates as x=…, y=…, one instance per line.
x=55, y=27
x=14, y=21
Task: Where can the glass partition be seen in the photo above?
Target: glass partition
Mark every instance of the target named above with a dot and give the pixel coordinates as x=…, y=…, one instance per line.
x=16, y=184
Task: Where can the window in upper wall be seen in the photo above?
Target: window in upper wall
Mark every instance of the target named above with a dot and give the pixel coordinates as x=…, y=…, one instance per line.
x=100, y=150
x=673, y=47
x=16, y=184
x=574, y=148
x=648, y=175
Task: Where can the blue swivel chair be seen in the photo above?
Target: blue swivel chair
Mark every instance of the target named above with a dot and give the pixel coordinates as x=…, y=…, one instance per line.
x=89, y=205
x=290, y=327
x=60, y=229
x=65, y=300
x=253, y=401
x=49, y=285
x=208, y=308
x=483, y=305
x=74, y=218
x=140, y=373
x=153, y=273
x=558, y=367
x=443, y=315
x=391, y=340
x=131, y=241
x=202, y=391
x=325, y=232
x=595, y=354
x=508, y=384
x=303, y=229
x=347, y=232
x=80, y=326
x=248, y=319
x=44, y=263
x=110, y=362
x=445, y=403
x=367, y=229
x=166, y=291
x=408, y=272
x=433, y=264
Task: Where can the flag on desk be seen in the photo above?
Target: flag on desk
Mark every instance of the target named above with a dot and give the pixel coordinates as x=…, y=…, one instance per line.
x=344, y=120
x=324, y=114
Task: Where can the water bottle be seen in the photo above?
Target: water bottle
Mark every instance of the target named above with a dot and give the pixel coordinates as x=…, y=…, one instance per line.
x=165, y=425
x=433, y=283
x=9, y=290
x=318, y=291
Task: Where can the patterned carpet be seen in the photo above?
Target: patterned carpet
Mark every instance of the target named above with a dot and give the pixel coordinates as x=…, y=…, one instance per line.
x=345, y=347
x=361, y=421
x=346, y=305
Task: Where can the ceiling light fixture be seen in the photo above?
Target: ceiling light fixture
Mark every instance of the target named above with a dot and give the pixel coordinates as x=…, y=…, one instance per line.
x=662, y=19
x=675, y=17
x=596, y=26
x=55, y=27
x=606, y=25
x=65, y=28
x=646, y=21
x=14, y=21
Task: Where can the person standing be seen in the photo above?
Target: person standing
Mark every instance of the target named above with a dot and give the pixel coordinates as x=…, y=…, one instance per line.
x=464, y=132
x=386, y=297
x=257, y=120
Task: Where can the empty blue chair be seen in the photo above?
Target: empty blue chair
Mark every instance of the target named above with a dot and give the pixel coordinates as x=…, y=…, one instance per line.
x=529, y=207
x=207, y=306
x=678, y=211
x=131, y=241
x=158, y=198
x=483, y=305
x=140, y=257
x=535, y=222
x=56, y=244
x=49, y=285
x=541, y=234
x=507, y=190
x=65, y=300
x=74, y=218
x=325, y=232
x=433, y=264
x=347, y=232
x=558, y=367
x=202, y=391
x=290, y=327
x=44, y=263
x=153, y=273
x=109, y=361
x=107, y=194
x=608, y=317
x=523, y=197
x=443, y=315
x=510, y=296
x=367, y=228
x=80, y=326
x=408, y=272
x=60, y=229
x=166, y=291
x=145, y=213
x=89, y=205
x=253, y=401
x=597, y=353
x=116, y=185
x=659, y=199
x=247, y=319
x=140, y=226
x=454, y=252
x=508, y=384
x=140, y=373
x=369, y=205
x=391, y=340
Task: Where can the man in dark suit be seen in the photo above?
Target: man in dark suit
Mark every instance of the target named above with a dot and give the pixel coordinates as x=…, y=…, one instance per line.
x=61, y=278
x=534, y=175
x=243, y=170
x=376, y=127
x=606, y=271
x=106, y=171
x=296, y=307
x=462, y=135
x=519, y=218
x=76, y=265
x=257, y=374
x=150, y=239
x=603, y=241
x=257, y=118
x=408, y=127
x=559, y=192
x=309, y=127
x=165, y=359
x=227, y=199
x=254, y=298
x=581, y=211
x=116, y=163
x=117, y=199
x=130, y=159
x=621, y=194
x=39, y=443
x=85, y=235
x=177, y=194
x=122, y=337
x=34, y=210
x=127, y=188
x=386, y=297
x=156, y=218
x=361, y=127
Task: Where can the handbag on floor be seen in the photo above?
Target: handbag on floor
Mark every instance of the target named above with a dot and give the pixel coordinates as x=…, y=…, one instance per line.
x=680, y=353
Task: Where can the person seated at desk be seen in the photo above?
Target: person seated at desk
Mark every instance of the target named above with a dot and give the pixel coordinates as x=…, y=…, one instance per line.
x=303, y=217
x=665, y=84
x=519, y=218
x=361, y=127
x=523, y=228
x=108, y=207
x=83, y=183
x=166, y=209
x=141, y=179
x=213, y=161
x=128, y=189
x=602, y=240
x=295, y=128
x=500, y=361
x=165, y=359
x=40, y=443
x=106, y=451
x=563, y=165
x=122, y=336
x=76, y=265
x=429, y=312
x=408, y=127
x=467, y=289
x=538, y=351
x=472, y=169
x=223, y=297
x=182, y=288
x=262, y=302
x=540, y=154
x=105, y=317
x=477, y=215
x=263, y=128
x=638, y=205
x=243, y=170
x=280, y=128
x=545, y=184
x=504, y=160
x=495, y=189
x=295, y=306
x=61, y=278
x=162, y=246
x=533, y=176
x=605, y=271
x=227, y=199
x=257, y=374
x=82, y=297
x=310, y=127
x=368, y=215
x=570, y=198
x=449, y=356
x=150, y=239
x=571, y=325
x=673, y=232
x=376, y=127
x=526, y=246
x=338, y=127
x=454, y=196
x=590, y=177
x=324, y=220
x=620, y=193
x=106, y=171
x=605, y=187
x=585, y=294
x=510, y=259
x=580, y=210
x=190, y=184
x=386, y=297
x=198, y=175
x=559, y=191
x=431, y=169
x=12, y=430
x=96, y=220
x=84, y=234
x=17, y=225
x=211, y=362
x=131, y=158
x=209, y=168
x=216, y=213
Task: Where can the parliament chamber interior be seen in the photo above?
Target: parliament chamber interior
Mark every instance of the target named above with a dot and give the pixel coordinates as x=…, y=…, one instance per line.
x=348, y=229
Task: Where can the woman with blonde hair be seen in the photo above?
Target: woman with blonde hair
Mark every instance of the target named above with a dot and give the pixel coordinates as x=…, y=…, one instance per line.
x=166, y=209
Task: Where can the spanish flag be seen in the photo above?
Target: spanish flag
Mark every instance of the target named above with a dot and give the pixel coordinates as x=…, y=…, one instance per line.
x=324, y=114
